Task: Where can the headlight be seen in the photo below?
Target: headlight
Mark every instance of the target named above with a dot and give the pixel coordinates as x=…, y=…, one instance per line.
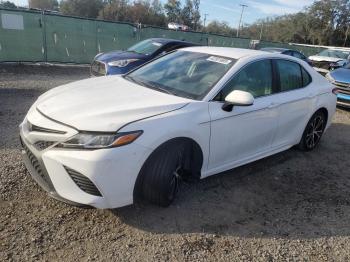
x=330, y=78
x=122, y=63
x=100, y=140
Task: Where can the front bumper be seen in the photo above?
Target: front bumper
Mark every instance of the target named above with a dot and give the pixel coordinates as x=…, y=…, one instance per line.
x=343, y=100
x=112, y=171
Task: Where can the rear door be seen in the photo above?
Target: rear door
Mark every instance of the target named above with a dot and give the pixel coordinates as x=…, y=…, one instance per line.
x=295, y=101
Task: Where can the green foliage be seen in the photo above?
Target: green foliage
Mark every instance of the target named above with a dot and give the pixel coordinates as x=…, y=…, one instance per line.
x=173, y=10
x=221, y=28
x=7, y=4
x=44, y=4
x=325, y=22
x=83, y=8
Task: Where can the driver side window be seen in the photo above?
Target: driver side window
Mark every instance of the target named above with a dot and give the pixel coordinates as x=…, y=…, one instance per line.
x=255, y=78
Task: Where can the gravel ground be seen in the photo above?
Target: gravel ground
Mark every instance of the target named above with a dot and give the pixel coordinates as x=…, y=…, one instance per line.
x=292, y=206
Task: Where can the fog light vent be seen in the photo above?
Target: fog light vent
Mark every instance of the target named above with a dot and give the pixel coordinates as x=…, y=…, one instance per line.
x=83, y=182
x=42, y=145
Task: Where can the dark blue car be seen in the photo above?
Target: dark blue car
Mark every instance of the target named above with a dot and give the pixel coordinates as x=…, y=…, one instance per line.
x=121, y=62
x=341, y=79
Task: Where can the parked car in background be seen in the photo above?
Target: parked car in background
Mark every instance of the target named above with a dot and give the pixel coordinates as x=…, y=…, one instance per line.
x=176, y=26
x=121, y=62
x=285, y=51
x=341, y=78
x=187, y=115
x=329, y=59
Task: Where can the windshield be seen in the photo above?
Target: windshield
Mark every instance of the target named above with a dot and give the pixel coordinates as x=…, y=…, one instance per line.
x=146, y=47
x=335, y=53
x=183, y=73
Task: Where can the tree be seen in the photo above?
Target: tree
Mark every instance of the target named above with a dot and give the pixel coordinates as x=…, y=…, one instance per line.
x=187, y=13
x=173, y=10
x=221, y=28
x=7, y=4
x=196, y=14
x=83, y=8
x=116, y=10
x=43, y=4
x=157, y=13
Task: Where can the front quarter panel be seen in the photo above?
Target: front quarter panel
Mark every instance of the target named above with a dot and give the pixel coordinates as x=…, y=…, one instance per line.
x=192, y=121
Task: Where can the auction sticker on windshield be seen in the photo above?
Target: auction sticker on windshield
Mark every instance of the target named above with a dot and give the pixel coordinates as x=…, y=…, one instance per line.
x=220, y=60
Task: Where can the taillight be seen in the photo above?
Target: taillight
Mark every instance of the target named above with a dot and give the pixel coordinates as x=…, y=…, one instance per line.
x=335, y=91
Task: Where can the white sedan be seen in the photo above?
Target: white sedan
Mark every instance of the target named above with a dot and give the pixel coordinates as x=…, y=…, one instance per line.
x=106, y=142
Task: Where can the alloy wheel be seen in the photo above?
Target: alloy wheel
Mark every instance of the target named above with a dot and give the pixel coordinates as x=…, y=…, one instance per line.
x=315, y=131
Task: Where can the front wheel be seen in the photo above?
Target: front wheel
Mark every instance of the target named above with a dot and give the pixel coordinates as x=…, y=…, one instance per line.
x=313, y=132
x=163, y=172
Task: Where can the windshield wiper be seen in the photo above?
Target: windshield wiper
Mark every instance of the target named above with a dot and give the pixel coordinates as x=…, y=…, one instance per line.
x=160, y=88
x=154, y=86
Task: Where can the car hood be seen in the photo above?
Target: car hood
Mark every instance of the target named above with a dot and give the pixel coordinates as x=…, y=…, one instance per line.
x=105, y=104
x=325, y=58
x=341, y=75
x=119, y=55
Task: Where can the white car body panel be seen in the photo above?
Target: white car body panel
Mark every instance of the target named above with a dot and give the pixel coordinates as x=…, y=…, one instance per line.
x=325, y=58
x=109, y=104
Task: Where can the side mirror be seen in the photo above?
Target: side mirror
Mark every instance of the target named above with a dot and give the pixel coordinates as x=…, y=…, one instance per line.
x=237, y=98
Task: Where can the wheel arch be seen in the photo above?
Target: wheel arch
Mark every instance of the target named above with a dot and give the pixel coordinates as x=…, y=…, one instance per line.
x=324, y=111
x=197, y=160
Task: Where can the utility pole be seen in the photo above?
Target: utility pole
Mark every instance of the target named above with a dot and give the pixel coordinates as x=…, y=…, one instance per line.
x=240, y=19
x=205, y=19
x=261, y=30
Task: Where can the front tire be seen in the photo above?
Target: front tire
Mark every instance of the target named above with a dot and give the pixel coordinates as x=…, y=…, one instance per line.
x=313, y=132
x=163, y=172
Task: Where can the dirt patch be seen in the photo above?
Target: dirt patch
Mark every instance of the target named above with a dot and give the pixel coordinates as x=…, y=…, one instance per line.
x=291, y=206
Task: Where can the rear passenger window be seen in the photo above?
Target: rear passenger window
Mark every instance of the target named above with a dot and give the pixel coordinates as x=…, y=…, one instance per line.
x=290, y=75
x=298, y=55
x=306, y=77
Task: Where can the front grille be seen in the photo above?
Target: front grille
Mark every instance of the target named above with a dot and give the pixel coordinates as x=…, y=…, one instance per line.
x=343, y=88
x=39, y=169
x=98, y=68
x=42, y=145
x=341, y=84
x=343, y=101
x=83, y=182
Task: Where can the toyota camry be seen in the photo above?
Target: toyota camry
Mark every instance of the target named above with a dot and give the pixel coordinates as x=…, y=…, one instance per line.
x=107, y=142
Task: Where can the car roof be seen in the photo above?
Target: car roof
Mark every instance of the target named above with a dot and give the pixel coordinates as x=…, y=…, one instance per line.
x=235, y=53
x=275, y=49
x=168, y=40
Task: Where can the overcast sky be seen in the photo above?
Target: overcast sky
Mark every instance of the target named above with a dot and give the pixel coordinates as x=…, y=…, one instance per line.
x=229, y=10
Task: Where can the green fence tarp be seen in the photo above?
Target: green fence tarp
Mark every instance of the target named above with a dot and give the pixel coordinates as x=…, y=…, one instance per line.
x=31, y=36
x=21, y=36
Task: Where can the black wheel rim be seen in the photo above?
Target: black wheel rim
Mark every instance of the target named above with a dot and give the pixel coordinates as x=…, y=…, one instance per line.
x=315, y=131
x=175, y=178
